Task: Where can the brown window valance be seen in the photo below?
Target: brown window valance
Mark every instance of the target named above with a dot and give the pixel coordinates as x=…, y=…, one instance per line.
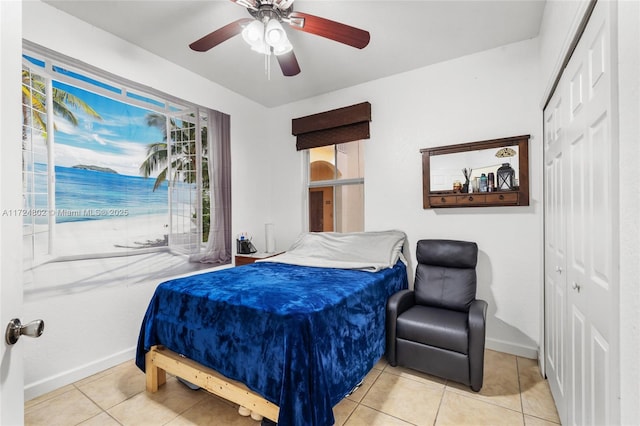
x=332, y=127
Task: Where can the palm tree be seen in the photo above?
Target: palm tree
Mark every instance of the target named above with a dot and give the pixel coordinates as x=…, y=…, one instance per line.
x=34, y=113
x=184, y=163
x=34, y=94
x=183, y=152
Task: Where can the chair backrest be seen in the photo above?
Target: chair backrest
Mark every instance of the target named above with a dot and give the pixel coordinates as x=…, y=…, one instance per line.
x=446, y=274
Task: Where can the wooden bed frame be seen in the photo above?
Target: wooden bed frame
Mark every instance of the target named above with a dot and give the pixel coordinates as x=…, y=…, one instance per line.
x=160, y=360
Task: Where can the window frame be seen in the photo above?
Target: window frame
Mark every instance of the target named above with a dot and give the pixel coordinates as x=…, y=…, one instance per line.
x=52, y=66
x=334, y=183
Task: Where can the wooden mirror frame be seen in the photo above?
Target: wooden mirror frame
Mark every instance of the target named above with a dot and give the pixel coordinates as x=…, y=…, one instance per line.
x=448, y=199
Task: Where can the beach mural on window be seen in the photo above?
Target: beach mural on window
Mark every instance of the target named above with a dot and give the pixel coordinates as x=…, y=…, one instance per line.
x=98, y=163
x=102, y=204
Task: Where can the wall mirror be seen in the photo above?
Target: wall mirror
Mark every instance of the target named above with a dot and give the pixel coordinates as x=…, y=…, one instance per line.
x=485, y=173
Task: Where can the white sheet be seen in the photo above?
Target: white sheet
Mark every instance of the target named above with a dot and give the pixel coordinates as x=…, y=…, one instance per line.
x=368, y=251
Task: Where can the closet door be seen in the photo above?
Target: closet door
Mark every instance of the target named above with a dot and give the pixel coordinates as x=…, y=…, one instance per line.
x=579, y=170
x=555, y=292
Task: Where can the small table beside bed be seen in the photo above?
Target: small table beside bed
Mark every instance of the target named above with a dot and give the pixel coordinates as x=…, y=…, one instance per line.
x=288, y=337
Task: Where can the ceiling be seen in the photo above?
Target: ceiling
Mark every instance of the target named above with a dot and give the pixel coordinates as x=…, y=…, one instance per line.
x=405, y=35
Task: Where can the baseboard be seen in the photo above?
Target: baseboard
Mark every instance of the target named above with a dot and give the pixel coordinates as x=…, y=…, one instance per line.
x=512, y=348
x=33, y=390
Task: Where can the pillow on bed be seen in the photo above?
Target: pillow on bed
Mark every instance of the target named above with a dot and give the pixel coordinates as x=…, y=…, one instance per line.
x=370, y=251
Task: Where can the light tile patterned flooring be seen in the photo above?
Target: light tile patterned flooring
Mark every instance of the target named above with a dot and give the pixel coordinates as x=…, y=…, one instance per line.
x=513, y=393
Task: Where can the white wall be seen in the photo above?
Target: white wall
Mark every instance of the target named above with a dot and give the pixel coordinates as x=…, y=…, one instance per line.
x=488, y=95
x=92, y=328
x=629, y=221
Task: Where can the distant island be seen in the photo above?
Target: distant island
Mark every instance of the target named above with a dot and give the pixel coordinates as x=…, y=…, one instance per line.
x=95, y=168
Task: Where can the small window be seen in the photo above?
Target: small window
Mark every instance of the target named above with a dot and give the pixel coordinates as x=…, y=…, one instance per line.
x=336, y=188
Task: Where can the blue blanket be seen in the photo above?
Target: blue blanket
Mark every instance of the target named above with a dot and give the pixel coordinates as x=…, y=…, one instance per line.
x=302, y=337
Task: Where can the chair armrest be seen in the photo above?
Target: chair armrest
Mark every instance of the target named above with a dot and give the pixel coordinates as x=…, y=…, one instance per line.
x=477, y=326
x=396, y=304
x=400, y=302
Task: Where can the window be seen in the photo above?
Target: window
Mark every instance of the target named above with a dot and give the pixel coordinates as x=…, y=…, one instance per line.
x=336, y=188
x=109, y=170
x=333, y=141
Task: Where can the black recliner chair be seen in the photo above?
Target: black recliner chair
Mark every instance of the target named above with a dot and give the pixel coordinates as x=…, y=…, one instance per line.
x=439, y=326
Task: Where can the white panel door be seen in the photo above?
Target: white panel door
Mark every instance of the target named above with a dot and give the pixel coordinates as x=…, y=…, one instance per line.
x=11, y=361
x=577, y=197
x=555, y=251
x=592, y=287
x=579, y=171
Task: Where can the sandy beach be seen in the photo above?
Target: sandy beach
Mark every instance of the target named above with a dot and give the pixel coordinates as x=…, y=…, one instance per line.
x=97, y=247
x=117, y=234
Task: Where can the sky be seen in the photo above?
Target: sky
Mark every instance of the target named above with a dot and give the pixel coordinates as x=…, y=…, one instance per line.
x=118, y=141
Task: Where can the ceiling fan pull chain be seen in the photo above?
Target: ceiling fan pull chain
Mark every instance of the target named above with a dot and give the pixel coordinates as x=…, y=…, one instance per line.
x=265, y=47
x=267, y=65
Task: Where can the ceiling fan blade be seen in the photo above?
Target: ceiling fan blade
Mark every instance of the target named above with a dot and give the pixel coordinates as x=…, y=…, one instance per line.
x=218, y=36
x=327, y=28
x=288, y=64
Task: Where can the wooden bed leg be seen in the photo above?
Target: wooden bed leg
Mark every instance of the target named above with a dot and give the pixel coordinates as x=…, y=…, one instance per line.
x=155, y=376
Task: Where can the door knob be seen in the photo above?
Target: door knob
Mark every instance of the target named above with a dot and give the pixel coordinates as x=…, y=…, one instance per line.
x=576, y=286
x=15, y=329
x=558, y=269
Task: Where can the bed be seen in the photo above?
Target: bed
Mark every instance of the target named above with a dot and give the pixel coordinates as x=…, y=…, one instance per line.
x=289, y=336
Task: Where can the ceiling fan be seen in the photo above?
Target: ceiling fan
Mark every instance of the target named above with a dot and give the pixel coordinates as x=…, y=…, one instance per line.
x=265, y=34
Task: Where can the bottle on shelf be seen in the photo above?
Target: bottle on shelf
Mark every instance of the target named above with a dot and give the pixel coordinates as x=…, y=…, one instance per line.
x=483, y=183
x=491, y=182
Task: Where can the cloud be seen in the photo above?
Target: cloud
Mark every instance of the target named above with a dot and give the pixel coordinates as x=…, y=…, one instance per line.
x=118, y=140
x=99, y=139
x=65, y=126
x=127, y=163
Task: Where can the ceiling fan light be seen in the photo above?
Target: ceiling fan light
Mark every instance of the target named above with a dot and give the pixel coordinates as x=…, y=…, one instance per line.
x=283, y=48
x=253, y=32
x=275, y=34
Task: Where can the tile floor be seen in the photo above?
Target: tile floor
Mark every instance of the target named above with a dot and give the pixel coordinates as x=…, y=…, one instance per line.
x=513, y=393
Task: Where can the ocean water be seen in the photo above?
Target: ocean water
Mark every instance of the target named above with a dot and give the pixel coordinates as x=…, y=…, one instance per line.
x=95, y=195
